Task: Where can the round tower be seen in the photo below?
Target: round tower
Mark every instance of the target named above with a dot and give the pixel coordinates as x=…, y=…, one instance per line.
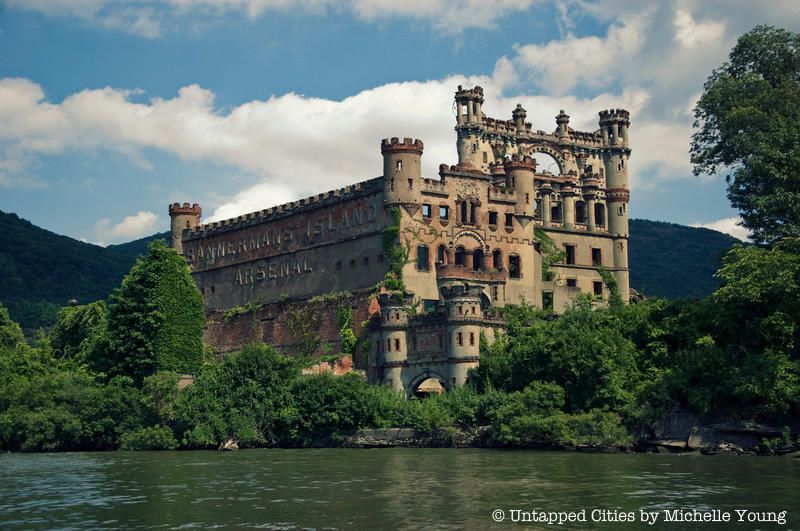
x=182, y=217
x=519, y=175
x=464, y=317
x=469, y=126
x=402, y=169
x=616, y=153
x=394, y=340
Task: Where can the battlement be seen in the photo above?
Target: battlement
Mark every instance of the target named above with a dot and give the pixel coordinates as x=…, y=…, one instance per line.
x=475, y=93
x=462, y=291
x=614, y=115
x=408, y=145
x=519, y=162
x=325, y=199
x=176, y=209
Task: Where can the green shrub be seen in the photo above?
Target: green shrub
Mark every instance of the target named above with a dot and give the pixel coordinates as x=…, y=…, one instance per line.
x=149, y=438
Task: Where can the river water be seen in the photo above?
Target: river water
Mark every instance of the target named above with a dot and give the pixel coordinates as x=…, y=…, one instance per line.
x=390, y=489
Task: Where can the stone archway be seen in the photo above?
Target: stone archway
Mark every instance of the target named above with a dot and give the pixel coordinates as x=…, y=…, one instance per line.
x=424, y=379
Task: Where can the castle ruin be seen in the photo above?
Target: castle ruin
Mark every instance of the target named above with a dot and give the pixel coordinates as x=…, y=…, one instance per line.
x=492, y=230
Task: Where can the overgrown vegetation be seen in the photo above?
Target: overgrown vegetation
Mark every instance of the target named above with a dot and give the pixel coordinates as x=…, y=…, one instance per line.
x=105, y=376
x=551, y=253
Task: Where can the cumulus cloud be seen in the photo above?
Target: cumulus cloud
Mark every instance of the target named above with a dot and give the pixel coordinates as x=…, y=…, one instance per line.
x=148, y=18
x=732, y=226
x=138, y=225
x=292, y=145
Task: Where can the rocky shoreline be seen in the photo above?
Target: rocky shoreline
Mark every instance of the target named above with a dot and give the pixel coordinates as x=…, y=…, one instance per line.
x=676, y=432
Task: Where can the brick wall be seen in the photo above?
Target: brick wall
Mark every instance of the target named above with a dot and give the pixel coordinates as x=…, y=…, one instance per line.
x=270, y=324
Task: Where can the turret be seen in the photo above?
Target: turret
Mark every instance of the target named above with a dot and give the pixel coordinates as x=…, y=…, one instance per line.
x=519, y=114
x=393, y=338
x=469, y=126
x=402, y=169
x=182, y=217
x=562, y=124
x=519, y=175
x=616, y=153
x=614, y=127
x=464, y=315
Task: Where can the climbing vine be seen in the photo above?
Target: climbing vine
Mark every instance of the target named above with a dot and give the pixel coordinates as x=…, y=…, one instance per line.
x=614, y=298
x=551, y=254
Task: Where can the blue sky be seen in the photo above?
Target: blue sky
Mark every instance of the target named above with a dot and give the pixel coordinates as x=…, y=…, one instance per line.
x=109, y=110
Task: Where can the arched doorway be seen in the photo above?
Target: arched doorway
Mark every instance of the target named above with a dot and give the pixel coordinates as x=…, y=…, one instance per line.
x=429, y=387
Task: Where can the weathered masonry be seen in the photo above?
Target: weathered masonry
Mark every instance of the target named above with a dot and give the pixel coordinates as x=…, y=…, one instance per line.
x=493, y=229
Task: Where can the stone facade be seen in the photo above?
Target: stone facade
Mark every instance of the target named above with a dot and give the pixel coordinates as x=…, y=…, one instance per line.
x=475, y=237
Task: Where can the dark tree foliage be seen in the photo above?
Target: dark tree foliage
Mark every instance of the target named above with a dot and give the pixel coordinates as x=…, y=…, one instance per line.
x=155, y=319
x=748, y=122
x=78, y=330
x=10, y=332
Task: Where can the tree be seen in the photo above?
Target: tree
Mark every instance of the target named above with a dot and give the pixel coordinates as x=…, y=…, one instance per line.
x=78, y=329
x=748, y=121
x=155, y=319
x=10, y=332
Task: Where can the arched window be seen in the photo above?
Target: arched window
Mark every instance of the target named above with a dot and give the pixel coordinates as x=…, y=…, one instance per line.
x=423, y=258
x=441, y=255
x=600, y=215
x=460, y=256
x=463, y=217
x=477, y=260
x=497, y=259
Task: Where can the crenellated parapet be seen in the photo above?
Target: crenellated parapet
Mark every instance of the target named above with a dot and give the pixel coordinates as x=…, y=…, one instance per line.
x=185, y=209
x=323, y=200
x=407, y=145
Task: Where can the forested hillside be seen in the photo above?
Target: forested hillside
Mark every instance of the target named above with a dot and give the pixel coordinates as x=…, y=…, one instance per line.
x=673, y=261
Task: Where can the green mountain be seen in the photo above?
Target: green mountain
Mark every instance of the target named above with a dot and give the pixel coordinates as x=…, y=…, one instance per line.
x=40, y=270
x=672, y=261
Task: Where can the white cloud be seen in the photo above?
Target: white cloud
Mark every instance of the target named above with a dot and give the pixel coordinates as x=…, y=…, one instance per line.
x=292, y=145
x=138, y=225
x=148, y=18
x=732, y=226
x=560, y=65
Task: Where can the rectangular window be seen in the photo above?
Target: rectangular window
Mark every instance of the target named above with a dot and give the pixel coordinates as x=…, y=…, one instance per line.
x=570, y=252
x=598, y=288
x=423, y=258
x=388, y=345
x=444, y=212
x=572, y=282
x=472, y=339
x=547, y=300
x=556, y=213
x=509, y=220
x=485, y=157
x=353, y=262
x=397, y=344
x=495, y=294
x=426, y=211
x=492, y=218
x=459, y=340
x=538, y=212
x=338, y=265
x=366, y=260
x=597, y=258
x=514, y=267
x=380, y=258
